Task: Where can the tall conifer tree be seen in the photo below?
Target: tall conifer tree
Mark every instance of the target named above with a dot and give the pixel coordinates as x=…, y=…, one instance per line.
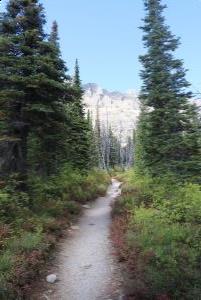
x=93, y=148
x=32, y=88
x=167, y=138
x=22, y=33
x=79, y=139
x=53, y=137
x=54, y=35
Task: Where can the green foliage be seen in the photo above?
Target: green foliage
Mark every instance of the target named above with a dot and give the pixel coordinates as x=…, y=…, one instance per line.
x=19, y=64
x=180, y=204
x=168, y=136
x=42, y=121
x=114, y=150
x=163, y=236
x=13, y=205
x=93, y=142
x=173, y=252
x=28, y=242
x=71, y=207
x=6, y=263
x=36, y=220
x=79, y=128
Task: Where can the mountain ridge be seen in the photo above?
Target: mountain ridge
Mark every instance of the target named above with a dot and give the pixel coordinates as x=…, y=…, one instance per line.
x=116, y=109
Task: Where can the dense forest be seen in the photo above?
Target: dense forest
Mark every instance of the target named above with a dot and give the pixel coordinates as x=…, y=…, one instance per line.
x=54, y=158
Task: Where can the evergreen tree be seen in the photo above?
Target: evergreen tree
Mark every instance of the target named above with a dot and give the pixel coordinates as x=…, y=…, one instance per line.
x=114, y=150
x=54, y=35
x=79, y=146
x=32, y=89
x=22, y=32
x=129, y=152
x=98, y=140
x=93, y=149
x=78, y=92
x=53, y=134
x=167, y=137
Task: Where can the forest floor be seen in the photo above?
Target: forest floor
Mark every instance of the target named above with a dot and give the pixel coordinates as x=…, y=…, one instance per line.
x=85, y=263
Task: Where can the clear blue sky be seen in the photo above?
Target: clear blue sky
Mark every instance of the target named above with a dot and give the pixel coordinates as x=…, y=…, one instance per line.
x=104, y=36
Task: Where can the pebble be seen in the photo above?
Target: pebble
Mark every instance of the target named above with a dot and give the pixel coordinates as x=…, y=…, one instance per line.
x=51, y=278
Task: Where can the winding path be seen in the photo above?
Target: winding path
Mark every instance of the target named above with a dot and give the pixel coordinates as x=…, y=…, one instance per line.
x=87, y=270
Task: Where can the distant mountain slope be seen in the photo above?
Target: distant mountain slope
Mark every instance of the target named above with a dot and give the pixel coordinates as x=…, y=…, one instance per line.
x=118, y=110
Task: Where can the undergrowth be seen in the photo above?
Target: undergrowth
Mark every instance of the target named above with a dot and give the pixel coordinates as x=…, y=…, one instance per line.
x=31, y=223
x=161, y=240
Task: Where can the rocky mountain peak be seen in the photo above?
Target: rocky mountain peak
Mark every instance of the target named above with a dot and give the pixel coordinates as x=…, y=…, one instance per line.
x=116, y=109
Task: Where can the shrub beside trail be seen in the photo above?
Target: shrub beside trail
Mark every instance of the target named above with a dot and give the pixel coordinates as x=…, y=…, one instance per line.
x=29, y=229
x=159, y=226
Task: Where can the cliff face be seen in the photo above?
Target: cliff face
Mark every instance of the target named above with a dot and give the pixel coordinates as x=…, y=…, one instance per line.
x=118, y=110
x=115, y=109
